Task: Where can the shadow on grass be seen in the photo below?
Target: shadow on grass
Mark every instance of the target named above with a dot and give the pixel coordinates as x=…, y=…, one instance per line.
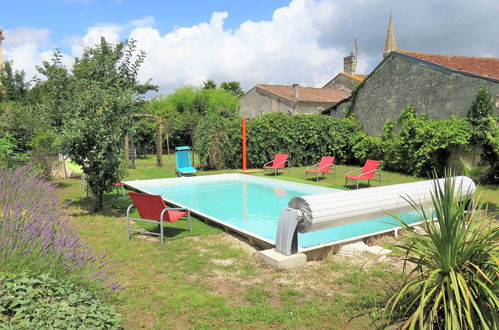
x=60, y=184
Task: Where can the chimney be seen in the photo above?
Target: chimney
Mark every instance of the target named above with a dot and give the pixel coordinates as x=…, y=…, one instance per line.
x=349, y=64
x=350, y=61
x=296, y=91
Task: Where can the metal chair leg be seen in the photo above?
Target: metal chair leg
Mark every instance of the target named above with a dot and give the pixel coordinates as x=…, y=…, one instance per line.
x=189, y=219
x=128, y=228
x=358, y=184
x=162, y=231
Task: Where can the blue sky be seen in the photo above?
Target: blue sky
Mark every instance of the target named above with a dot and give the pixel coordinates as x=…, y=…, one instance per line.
x=273, y=41
x=72, y=17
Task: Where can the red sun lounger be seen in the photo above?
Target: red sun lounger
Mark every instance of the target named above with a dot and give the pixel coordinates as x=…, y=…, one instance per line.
x=279, y=161
x=152, y=209
x=326, y=165
x=369, y=172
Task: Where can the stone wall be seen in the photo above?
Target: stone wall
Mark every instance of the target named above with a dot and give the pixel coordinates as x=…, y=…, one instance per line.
x=342, y=82
x=398, y=82
x=257, y=102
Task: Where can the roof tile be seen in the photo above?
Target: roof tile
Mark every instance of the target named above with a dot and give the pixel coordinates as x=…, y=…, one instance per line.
x=307, y=94
x=483, y=66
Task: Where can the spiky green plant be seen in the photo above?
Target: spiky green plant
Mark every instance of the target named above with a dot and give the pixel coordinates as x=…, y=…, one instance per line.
x=453, y=282
x=474, y=172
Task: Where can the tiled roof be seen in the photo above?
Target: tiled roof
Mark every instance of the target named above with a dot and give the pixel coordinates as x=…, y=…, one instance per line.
x=307, y=94
x=356, y=77
x=483, y=66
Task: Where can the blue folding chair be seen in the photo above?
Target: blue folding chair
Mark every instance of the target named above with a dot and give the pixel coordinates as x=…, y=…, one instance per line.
x=183, y=159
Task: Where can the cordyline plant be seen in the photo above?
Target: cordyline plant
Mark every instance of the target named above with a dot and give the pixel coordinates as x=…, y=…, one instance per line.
x=36, y=238
x=454, y=282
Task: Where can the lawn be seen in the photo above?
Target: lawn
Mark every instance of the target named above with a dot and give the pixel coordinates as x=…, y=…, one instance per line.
x=214, y=280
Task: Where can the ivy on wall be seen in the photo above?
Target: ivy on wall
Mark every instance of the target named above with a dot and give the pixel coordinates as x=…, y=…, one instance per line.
x=414, y=144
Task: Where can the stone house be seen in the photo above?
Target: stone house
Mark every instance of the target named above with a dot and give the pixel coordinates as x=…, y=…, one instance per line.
x=345, y=81
x=288, y=99
x=298, y=99
x=441, y=86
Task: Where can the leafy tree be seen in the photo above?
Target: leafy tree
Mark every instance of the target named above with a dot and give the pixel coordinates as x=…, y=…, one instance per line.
x=173, y=122
x=44, y=146
x=233, y=87
x=193, y=104
x=209, y=84
x=101, y=93
x=8, y=154
x=12, y=84
x=53, y=93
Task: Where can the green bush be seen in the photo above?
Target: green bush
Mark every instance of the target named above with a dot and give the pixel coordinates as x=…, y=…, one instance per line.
x=218, y=142
x=415, y=144
x=304, y=137
x=41, y=302
x=485, y=131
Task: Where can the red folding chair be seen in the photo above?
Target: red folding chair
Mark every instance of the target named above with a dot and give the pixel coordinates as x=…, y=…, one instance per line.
x=369, y=172
x=326, y=165
x=279, y=161
x=152, y=209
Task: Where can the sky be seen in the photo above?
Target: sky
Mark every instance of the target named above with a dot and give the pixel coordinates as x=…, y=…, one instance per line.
x=258, y=41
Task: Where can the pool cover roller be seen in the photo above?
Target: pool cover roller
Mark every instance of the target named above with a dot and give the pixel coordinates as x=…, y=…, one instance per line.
x=315, y=212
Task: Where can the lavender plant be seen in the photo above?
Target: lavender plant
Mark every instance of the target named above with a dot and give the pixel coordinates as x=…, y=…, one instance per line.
x=36, y=238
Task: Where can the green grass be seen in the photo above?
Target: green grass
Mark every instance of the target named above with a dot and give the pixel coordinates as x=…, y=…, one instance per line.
x=212, y=280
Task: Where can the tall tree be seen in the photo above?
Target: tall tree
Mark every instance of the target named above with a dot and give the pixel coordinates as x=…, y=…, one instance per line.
x=13, y=86
x=103, y=93
x=209, y=84
x=193, y=104
x=233, y=87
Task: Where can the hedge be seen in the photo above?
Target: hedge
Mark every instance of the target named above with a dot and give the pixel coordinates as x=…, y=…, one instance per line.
x=413, y=144
x=304, y=137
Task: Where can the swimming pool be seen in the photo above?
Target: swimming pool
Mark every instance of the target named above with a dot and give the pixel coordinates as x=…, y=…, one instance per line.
x=252, y=205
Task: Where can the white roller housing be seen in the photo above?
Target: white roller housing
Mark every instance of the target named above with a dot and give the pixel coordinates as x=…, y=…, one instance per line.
x=339, y=208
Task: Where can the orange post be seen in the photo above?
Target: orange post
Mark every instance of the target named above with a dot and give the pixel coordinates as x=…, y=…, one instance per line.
x=244, y=144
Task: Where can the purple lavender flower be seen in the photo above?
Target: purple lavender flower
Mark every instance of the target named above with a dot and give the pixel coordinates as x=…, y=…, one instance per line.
x=34, y=235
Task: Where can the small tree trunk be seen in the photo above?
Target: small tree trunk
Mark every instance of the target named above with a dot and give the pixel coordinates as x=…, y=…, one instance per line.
x=98, y=201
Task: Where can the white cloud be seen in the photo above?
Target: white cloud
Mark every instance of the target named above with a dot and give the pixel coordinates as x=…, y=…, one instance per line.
x=27, y=47
x=282, y=51
x=304, y=42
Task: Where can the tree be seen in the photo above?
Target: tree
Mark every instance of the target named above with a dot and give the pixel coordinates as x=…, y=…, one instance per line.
x=102, y=94
x=193, y=104
x=233, y=87
x=209, y=84
x=12, y=84
x=53, y=93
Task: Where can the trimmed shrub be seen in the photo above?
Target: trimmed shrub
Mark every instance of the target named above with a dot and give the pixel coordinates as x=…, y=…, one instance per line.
x=414, y=144
x=304, y=137
x=41, y=302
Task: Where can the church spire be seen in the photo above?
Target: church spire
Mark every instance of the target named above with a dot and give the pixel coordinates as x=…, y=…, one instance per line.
x=391, y=42
x=350, y=61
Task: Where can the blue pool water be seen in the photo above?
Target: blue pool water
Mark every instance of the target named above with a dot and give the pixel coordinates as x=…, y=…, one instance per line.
x=254, y=205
